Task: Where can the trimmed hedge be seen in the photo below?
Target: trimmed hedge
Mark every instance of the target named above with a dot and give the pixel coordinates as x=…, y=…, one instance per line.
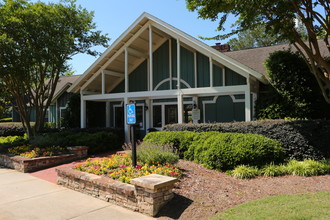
x=300, y=139
x=221, y=151
x=97, y=142
x=11, y=129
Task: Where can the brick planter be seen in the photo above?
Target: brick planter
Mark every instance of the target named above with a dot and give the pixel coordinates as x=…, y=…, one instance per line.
x=26, y=165
x=145, y=194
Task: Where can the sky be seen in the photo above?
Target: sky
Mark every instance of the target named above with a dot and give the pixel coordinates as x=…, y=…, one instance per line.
x=113, y=17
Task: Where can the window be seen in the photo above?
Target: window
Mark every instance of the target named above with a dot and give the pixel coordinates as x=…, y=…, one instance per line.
x=171, y=114
x=157, y=116
x=119, y=117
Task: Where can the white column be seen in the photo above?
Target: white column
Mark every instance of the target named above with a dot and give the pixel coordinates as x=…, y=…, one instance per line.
x=180, y=109
x=82, y=111
x=170, y=62
x=211, y=72
x=103, y=83
x=150, y=60
x=148, y=114
x=107, y=114
x=126, y=71
x=248, y=102
x=195, y=68
x=178, y=63
x=126, y=127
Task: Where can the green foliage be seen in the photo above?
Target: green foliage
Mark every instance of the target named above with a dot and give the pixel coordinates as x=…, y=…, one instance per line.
x=274, y=170
x=12, y=141
x=29, y=151
x=97, y=142
x=245, y=172
x=293, y=167
x=179, y=140
x=308, y=168
x=154, y=155
x=256, y=37
x=296, y=91
x=296, y=206
x=221, y=151
x=6, y=119
x=224, y=151
x=36, y=40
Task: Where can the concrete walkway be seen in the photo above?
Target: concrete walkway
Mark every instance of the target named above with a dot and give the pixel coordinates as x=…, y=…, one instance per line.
x=24, y=197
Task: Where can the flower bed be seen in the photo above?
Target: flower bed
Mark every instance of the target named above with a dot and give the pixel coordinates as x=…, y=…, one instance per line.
x=24, y=164
x=118, y=167
x=151, y=184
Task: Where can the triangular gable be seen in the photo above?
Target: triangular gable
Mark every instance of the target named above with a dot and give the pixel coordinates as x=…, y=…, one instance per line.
x=139, y=27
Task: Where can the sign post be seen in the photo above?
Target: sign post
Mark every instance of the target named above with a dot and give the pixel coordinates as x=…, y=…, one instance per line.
x=131, y=120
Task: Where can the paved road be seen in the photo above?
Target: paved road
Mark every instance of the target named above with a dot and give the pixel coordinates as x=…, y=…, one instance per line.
x=25, y=197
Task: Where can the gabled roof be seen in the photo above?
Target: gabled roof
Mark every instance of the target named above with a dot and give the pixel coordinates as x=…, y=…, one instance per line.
x=164, y=29
x=255, y=58
x=63, y=84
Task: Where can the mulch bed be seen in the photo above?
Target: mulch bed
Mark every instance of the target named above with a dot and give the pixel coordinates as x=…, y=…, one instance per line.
x=202, y=193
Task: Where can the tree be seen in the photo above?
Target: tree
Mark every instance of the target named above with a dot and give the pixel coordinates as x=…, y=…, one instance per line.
x=279, y=18
x=36, y=41
x=252, y=38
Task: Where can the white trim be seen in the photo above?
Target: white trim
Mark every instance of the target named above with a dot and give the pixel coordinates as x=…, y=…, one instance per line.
x=151, y=70
x=178, y=62
x=180, y=109
x=126, y=71
x=170, y=79
x=113, y=73
x=248, y=101
x=195, y=68
x=170, y=63
x=233, y=98
x=211, y=71
x=206, y=91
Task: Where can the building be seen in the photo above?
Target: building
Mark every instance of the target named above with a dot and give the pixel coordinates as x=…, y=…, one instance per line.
x=169, y=75
x=57, y=108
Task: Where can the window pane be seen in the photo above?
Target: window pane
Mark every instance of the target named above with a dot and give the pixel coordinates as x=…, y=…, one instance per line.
x=171, y=114
x=119, y=117
x=139, y=116
x=157, y=116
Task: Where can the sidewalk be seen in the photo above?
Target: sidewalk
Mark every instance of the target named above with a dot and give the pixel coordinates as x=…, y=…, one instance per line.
x=25, y=197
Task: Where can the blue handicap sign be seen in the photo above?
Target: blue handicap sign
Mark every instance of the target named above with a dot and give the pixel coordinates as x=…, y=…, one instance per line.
x=130, y=114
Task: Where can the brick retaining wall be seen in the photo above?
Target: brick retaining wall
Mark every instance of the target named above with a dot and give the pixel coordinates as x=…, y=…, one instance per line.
x=145, y=194
x=25, y=165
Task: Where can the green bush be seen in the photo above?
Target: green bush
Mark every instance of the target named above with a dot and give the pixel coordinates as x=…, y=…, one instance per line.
x=179, y=140
x=274, y=170
x=225, y=151
x=154, y=155
x=11, y=141
x=97, y=142
x=307, y=168
x=245, y=172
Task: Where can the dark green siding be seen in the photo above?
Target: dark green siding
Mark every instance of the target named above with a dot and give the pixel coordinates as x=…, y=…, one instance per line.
x=187, y=67
x=224, y=110
x=119, y=88
x=217, y=76
x=203, y=70
x=161, y=65
x=138, y=80
x=174, y=63
x=233, y=78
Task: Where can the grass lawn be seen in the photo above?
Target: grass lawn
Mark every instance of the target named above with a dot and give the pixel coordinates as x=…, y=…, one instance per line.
x=297, y=206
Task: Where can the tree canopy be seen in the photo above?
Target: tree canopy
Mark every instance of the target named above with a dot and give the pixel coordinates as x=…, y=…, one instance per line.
x=280, y=19
x=36, y=41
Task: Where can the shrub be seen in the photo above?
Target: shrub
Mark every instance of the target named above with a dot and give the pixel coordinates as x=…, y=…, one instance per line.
x=97, y=142
x=6, y=119
x=179, y=140
x=12, y=141
x=300, y=139
x=274, y=170
x=11, y=129
x=154, y=155
x=245, y=172
x=223, y=151
x=307, y=168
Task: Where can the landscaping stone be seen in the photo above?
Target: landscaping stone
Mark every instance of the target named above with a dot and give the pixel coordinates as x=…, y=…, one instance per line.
x=25, y=165
x=145, y=194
